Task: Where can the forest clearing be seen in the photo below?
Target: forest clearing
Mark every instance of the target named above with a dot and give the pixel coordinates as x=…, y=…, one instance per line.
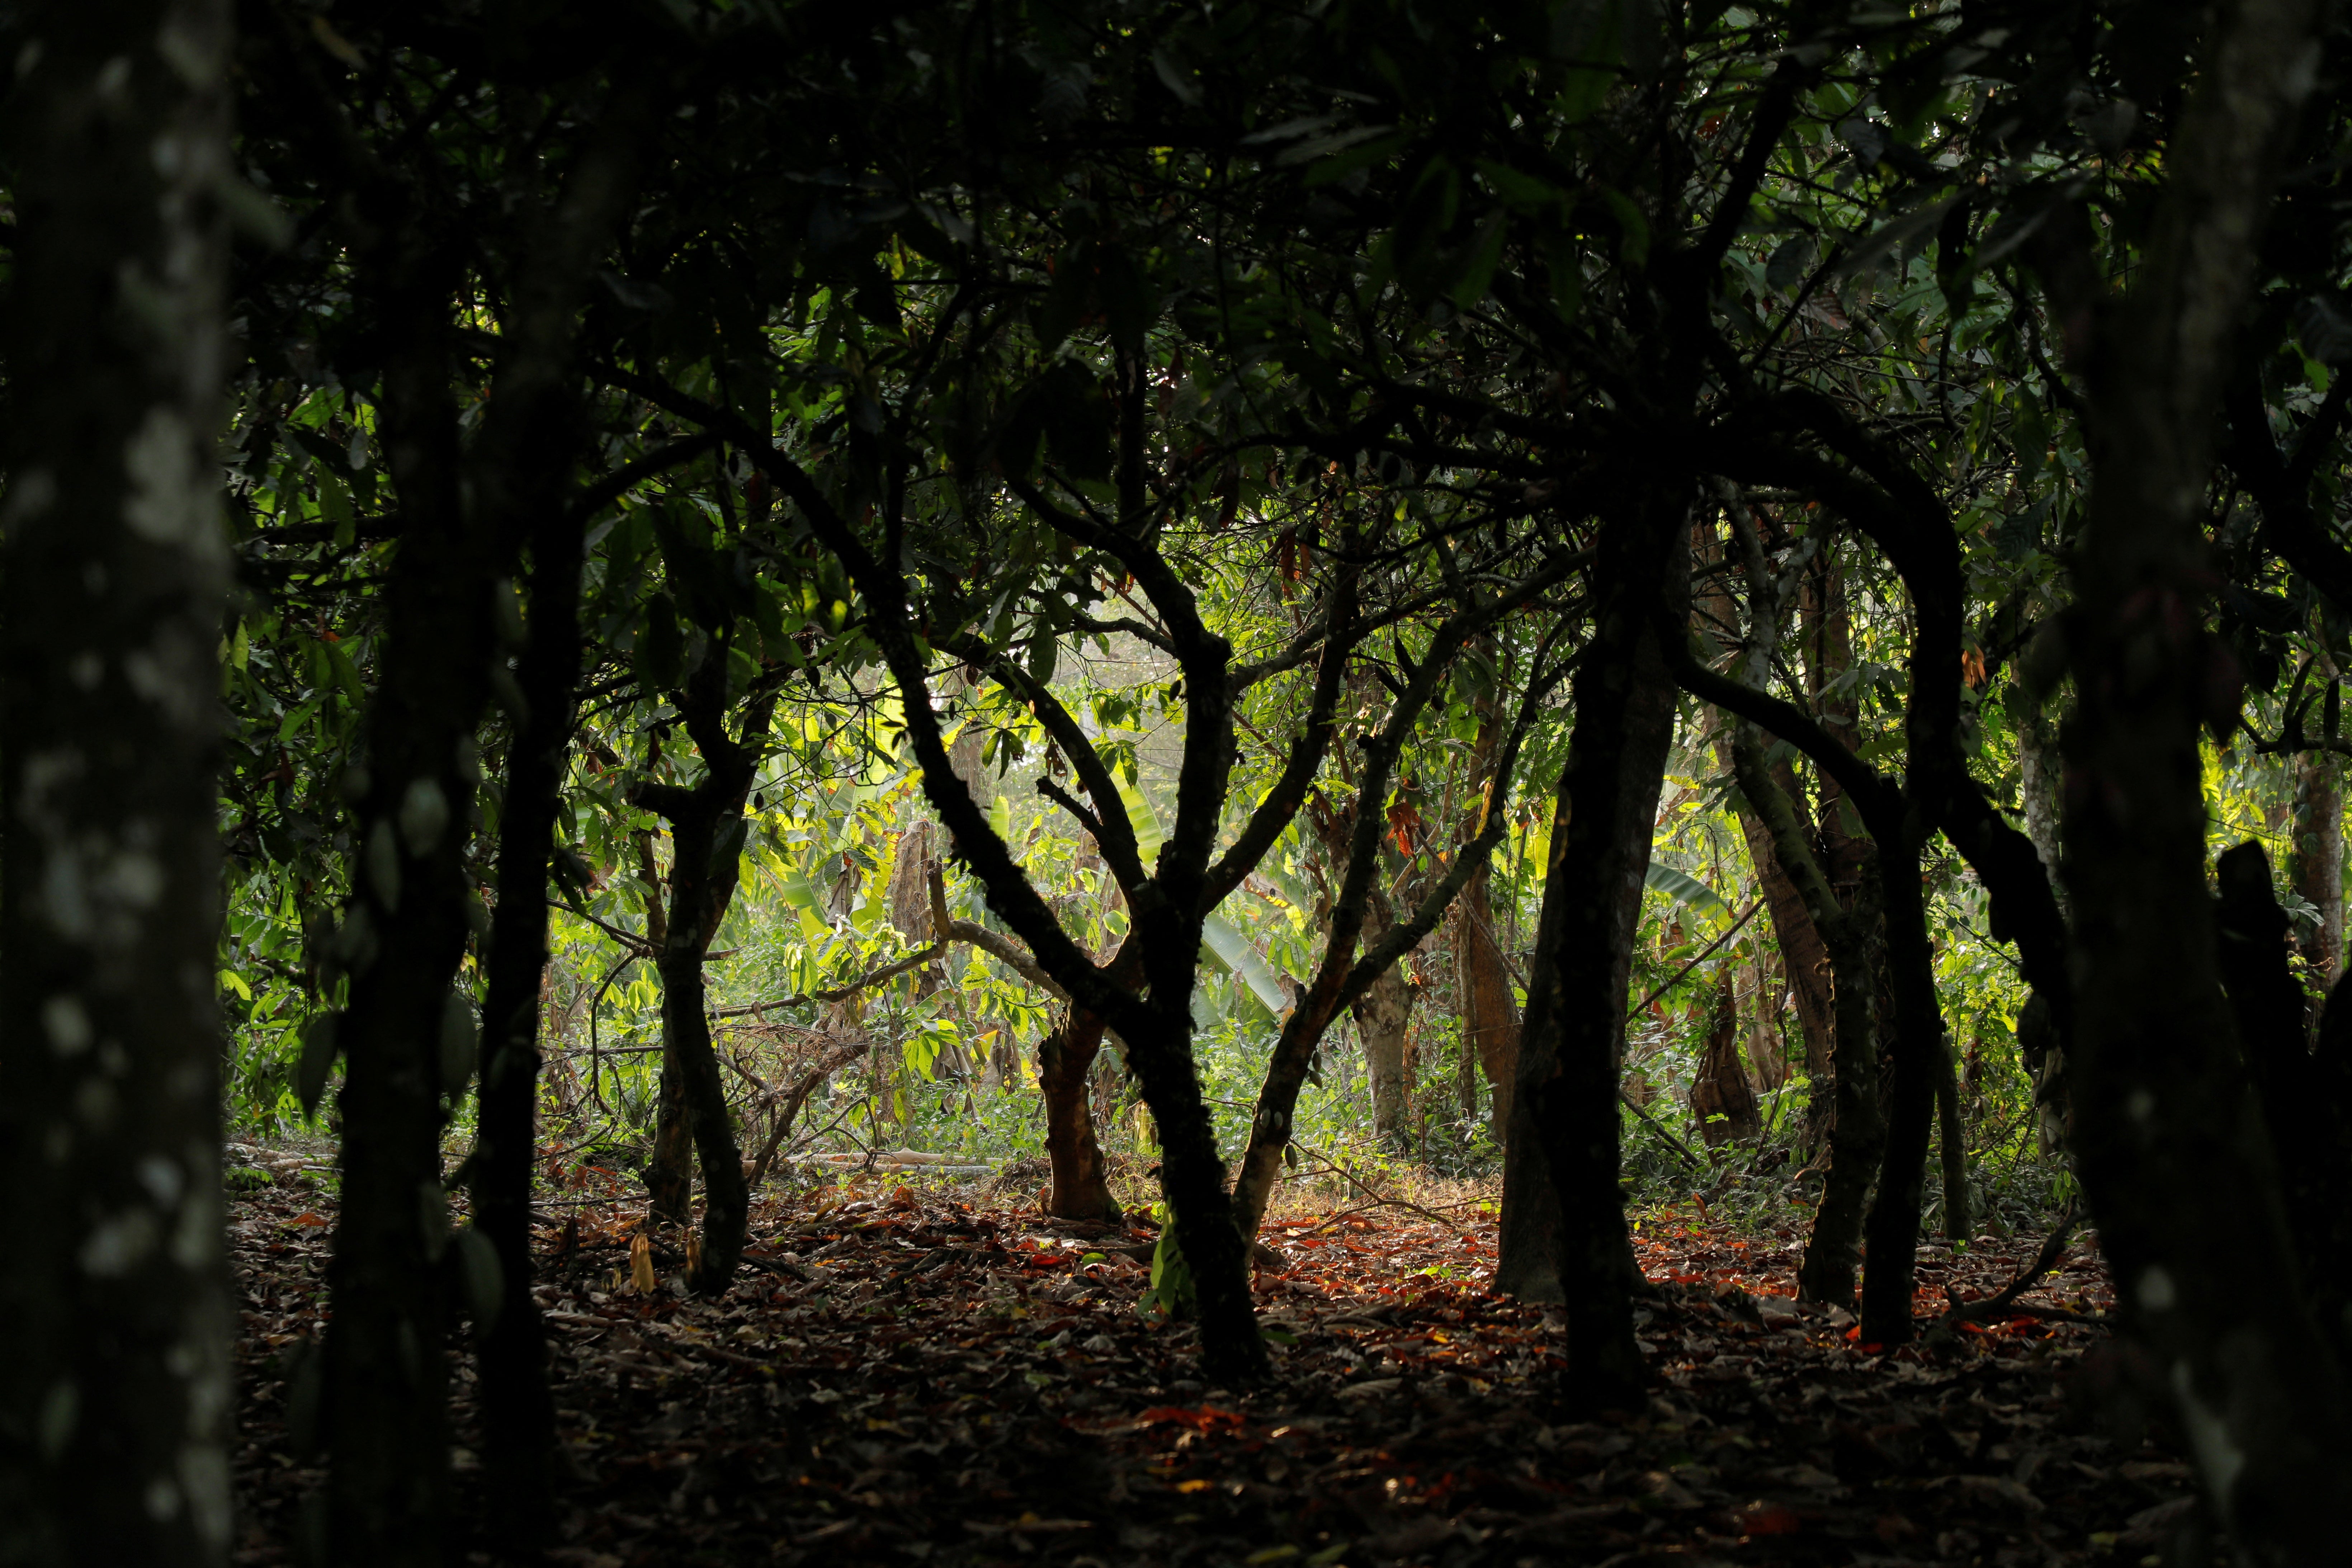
x=1324, y=782
x=908, y=1376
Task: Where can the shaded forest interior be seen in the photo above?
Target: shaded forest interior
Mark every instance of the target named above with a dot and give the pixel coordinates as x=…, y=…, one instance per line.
x=1163, y=784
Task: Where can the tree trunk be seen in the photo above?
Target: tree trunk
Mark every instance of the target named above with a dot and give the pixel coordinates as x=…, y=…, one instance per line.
x=518, y=1411
x=1921, y=1058
x=1722, y=1099
x=2307, y=1119
x=2038, y=770
x=1573, y=1041
x=387, y=1374
x=1528, y=1252
x=706, y=832
x=1081, y=1189
x=2182, y=1181
x=1381, y=1015
x=1953, y=1131
x=1829, y=649
x=518, y=491
x=1482, y=972
x=2315, y=860
x=1806, y=961
x=116, y=1293
x=1856, y=1136
x=669, y=1168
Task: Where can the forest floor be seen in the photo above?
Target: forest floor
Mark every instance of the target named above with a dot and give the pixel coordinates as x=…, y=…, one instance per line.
x=914, y=1377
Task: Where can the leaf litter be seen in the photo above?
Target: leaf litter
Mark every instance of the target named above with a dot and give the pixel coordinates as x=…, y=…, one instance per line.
x=908, y=1378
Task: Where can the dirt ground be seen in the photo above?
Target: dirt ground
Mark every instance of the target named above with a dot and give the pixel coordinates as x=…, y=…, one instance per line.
x=910, y=1377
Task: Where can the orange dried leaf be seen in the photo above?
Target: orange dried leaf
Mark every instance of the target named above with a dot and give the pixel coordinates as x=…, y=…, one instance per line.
x=641, y=1264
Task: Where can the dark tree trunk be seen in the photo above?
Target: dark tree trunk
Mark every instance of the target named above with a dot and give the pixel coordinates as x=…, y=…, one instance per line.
x=115, y=1401
x=1856, y=1136
x=1527, y=1262
x=1828, y=650
x=2307, y=1121
x=387, y=1373
x=669, y=1168
x=520, y=493
x=2181, y=1178
x=706, y=832
x=518, y=1411
x=1921, y=1058
x=1574, y=1031
x=1081, y=1189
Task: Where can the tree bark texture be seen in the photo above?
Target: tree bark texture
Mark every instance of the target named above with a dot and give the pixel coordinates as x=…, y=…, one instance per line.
x=1573, y=1037
x=2316, y=859
x=2181, y=1177
x=116, y=1397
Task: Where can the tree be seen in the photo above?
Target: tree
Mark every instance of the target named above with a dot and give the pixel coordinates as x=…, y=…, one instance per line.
x=115, y=1409
x=2180, y=1173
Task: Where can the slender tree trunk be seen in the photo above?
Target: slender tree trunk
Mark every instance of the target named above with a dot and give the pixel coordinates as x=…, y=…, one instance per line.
x=669, y=1167
x=2310, y=1125
x=518, y=1411
x=1381, y=1015
x=2316, y=861
x=115, y=1400
x=1527, y=1256
x=707, y=833
x=1856, y=1136
x=1482, y=972
x=2181, y=1179
x=387, y=1373
x=1081, y=1189
x=2038, y=769
x=1573, y=1043
x=1954, y=1134
x=1829, y=649
x=1806, y=960
x=1922, y=1056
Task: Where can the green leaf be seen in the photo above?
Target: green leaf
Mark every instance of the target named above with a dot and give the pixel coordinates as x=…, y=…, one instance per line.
x=1235, y=951
x=1148, y=835
x=1687, y=890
